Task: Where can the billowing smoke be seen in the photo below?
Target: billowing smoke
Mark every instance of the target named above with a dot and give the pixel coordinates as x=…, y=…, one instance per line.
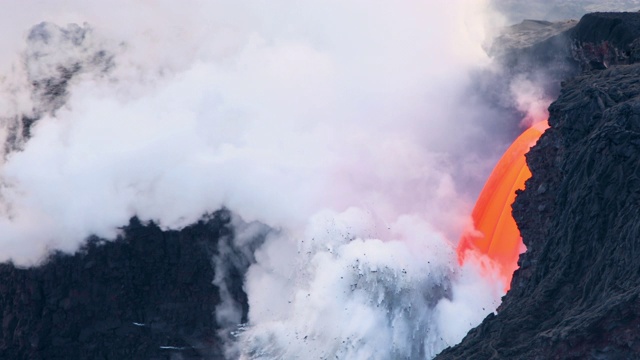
x=342, y=134
x=531, y=99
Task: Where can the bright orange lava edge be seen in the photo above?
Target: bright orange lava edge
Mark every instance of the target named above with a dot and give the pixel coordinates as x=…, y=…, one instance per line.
x=496, y=234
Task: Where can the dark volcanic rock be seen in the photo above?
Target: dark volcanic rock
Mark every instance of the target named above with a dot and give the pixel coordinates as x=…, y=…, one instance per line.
x=148, y=295
x=601, y=40
x=564, y=49
x=576, y=294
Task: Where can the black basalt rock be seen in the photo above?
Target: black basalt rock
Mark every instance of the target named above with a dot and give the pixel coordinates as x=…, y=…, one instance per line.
x=577, y=293
x=146, y=295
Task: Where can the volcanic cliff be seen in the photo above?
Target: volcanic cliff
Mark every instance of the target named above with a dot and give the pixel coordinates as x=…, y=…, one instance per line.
x=577, y=294
x=147, y=295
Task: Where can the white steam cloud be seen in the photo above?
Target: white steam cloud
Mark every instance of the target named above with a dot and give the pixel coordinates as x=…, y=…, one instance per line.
x=531, y=99
x=348, y=295
x=343, y=125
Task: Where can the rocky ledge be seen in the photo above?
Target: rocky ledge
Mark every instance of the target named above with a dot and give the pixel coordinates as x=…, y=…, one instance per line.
x=576, y=294
x=147, y=295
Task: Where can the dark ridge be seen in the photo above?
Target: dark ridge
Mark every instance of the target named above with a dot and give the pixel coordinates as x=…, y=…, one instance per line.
x=596, y=42
x=601, y=40
x=147, y=295
x=617, y=29
x=576, y=294
x=533, y=22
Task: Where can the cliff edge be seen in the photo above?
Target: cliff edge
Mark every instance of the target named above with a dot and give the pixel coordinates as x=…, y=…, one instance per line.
x=576, y=294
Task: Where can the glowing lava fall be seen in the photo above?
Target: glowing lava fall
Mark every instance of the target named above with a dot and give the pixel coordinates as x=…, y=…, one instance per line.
x=496, y=234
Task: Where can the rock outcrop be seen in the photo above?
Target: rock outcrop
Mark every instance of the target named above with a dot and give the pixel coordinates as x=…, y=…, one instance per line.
x=147, y=295
x=576, y=294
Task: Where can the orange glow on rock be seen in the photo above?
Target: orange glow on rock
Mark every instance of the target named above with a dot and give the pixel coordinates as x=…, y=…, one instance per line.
x=496, y=234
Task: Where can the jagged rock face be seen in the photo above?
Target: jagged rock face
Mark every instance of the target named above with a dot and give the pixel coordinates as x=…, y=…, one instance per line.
x=576, y=293
x=601, y=40
x=147, y=295
x=564, y=49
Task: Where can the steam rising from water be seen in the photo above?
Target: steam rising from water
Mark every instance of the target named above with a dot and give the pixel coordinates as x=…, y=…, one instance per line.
x=341, y=125
x=348, y=295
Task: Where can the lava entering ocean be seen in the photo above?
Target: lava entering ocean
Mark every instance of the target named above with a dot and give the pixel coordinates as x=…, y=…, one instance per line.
x=496, y=234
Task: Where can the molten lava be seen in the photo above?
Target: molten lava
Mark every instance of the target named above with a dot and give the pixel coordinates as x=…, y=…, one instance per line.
x=496, y=234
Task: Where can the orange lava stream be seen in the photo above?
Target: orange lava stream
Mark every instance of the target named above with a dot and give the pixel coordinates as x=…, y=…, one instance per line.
x=496, y=234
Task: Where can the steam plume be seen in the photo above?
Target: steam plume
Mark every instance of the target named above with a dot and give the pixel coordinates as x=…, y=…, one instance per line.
x=342, y=126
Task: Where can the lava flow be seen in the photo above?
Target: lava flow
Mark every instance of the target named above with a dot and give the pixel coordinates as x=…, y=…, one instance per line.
x=496, y=234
